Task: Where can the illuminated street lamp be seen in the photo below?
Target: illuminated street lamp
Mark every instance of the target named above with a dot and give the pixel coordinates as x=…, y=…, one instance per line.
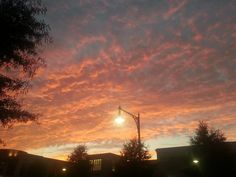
x=119, y=120
x=195, y=161
x=63, y=169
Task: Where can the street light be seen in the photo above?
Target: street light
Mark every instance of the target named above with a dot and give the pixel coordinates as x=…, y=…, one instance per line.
x=119, y=120
x=63, y=169
x=195, y=161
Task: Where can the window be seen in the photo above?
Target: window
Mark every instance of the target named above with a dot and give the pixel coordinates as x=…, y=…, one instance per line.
x=96, y=164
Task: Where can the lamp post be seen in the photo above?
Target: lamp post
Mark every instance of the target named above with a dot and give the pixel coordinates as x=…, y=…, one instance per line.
x=135, y=117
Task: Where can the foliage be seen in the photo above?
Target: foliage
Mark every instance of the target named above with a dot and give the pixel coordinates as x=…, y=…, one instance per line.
x=22, y=32
x=135, y=151
x=79, y=158
x=206, y=136
x=79, y=154
x=134, y=160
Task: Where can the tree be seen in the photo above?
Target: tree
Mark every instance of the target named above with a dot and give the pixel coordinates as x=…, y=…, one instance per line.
x=79, y=158
x=134, y=160
x=79, y=154
x=206, y=136
x=22, y=33
x=135, y=151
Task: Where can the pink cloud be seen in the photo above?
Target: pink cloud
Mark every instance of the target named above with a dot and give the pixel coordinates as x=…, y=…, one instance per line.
x=170, y=73
x=174, y=9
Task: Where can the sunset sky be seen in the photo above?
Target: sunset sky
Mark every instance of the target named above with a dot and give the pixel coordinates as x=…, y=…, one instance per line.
x=172, y=61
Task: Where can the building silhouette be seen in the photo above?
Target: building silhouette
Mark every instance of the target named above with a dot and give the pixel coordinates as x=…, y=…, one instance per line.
x=185, y=161
x=103, y=164
x=205, y=160
x=15, y=163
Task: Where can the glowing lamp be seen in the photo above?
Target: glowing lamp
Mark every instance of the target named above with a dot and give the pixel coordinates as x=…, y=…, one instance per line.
x=119, y=120
x=10, y=154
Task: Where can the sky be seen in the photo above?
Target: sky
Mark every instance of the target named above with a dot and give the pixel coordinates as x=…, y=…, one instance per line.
x=172, y=61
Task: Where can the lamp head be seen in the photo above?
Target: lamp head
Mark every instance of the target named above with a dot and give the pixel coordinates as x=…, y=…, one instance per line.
x=119, y=120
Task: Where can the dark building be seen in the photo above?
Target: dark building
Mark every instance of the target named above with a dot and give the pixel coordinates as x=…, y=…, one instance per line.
x=103, y=165
x=173, y=160
x=14, y=163
x=177, y=161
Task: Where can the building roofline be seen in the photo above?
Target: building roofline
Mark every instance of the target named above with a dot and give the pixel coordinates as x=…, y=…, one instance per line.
x=29, y=154
x=39, y=156
x=19, y=151
x=179, y=147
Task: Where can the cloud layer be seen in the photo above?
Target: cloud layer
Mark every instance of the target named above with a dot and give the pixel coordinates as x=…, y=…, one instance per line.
x=172, y=61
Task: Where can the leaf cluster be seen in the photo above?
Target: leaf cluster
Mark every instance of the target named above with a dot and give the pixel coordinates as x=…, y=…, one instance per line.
x=79, y=154
x=22, y=32
x=207, y=136
x=135, y=151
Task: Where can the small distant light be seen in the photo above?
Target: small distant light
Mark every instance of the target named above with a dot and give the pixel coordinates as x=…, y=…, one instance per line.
x=10, y=154
x=63, y=169
x=195, y=161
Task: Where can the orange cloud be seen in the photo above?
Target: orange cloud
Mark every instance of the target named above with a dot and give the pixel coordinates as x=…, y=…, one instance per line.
x=160, y=60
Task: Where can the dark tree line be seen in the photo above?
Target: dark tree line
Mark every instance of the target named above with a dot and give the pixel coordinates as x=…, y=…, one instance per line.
x=133, y=160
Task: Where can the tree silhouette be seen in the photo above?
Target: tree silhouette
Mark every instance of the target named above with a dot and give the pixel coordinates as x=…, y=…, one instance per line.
x=135, y=151
x=79, y=154
x=134, y=160
x=22, y=33
x=79, y=158
x=206, y=136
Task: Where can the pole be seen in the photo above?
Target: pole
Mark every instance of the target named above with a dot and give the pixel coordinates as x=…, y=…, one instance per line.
x=138, y=127
x=136, y=119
